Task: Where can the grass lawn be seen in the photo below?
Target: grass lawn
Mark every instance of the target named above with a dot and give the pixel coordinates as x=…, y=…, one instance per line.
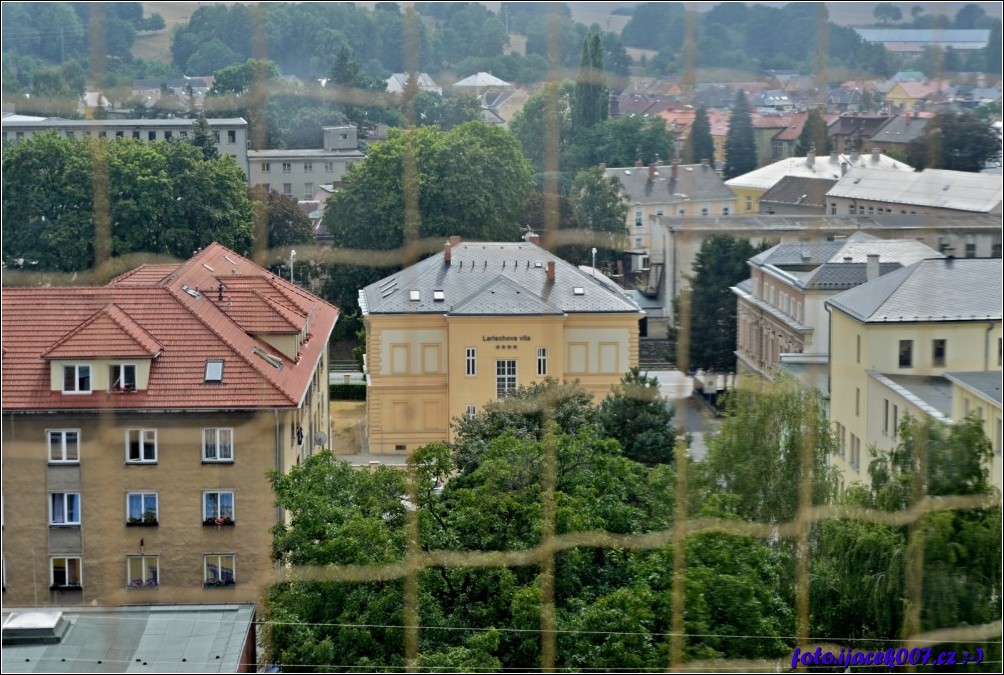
x=347, y=426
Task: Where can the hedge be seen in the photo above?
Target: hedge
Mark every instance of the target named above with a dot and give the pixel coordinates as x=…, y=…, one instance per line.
x=347, y=392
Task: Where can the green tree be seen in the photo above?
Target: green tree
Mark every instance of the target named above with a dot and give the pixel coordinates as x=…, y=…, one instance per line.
x=203, y=138
x=813, y=136
x=719, y=264
x=700, y=142
x=992, y=52
x=955, y=141
x=756, y=454
x=886, y=12
x=961, y=554
x=446, y=111
x=600, y=207
x=530, y=125
x=740, y=148
x=240, y=79
x=287, y=224
x=638, y=416
x=591, y=103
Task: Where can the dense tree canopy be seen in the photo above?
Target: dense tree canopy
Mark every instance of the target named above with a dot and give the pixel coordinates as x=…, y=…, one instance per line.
x=638, y=416
x=699, y=143
x=813, y=136
x=600, y=207
x=163, y=199
x=591, y=104
x=740, y=146
x=956, y=141
x=719, y=264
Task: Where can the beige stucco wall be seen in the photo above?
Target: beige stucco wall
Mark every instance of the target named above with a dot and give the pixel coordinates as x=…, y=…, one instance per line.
x=418, y=382
x=100, y=372
x=103, y=478
x=970, y=346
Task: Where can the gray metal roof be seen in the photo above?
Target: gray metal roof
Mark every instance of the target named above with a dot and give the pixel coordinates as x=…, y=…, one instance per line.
x=935, y=36
x=939, y=188
x=150, y=638
x=987, y=383
x=936, y=392
x=967, y=289
x=693, y=183
x=492, y=279
x=175, y=122
x=901, y=129
x=315, y=153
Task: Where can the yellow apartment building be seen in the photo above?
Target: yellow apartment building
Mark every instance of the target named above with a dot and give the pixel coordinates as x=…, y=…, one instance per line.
x=475, y=322
x=139, y=421
x=896, y=340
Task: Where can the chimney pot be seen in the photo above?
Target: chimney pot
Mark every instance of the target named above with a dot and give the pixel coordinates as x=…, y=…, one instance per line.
x=651, y=171
x=534, y=238
x=550, y=271
x=447, y=254
x=872, y=268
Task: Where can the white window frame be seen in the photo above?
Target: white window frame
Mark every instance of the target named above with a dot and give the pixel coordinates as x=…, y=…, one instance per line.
x=79, y=583
x=471, y=361
x=470, y=412
x=149, y=578
x=542, y=361
x=266, y=167
x=144, y=436
x=214, y=434
x=123, y=369
x=80, y=371
x=218, y=559
x=64, y=499
x=219, y=512
x=62, y=446
x=144, y=508
x=505, y=382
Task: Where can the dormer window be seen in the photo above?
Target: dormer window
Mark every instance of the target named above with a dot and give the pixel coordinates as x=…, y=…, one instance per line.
x=77, y=379
x=214, y=371
x=122, y=377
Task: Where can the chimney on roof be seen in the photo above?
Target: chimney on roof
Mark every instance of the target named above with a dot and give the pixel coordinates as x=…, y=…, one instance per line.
x=843, y=168
x=637, y=164
x=834, y=157
x=876, y=155
x=447, y=254
x=651, y=171
x=872, y=268
x=810, y=158
x=550, y=271
x=674, y=171
x=454, y=240
x=706, y=163
x=854, y=156
x=533, y=238
x=603, y=166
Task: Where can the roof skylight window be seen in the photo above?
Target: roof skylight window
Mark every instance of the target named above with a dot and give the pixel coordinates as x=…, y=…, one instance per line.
x=438, y=296
x=578, y=290
x=414, y=296
x=214, y=371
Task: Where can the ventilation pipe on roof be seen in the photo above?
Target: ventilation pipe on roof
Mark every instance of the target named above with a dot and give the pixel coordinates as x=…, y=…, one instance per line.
x=876, y=155
x=872, y=268
x=843, y=168
x=810, y=158
x=550, y=271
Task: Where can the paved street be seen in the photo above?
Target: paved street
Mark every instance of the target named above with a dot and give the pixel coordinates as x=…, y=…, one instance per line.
x=691, y=415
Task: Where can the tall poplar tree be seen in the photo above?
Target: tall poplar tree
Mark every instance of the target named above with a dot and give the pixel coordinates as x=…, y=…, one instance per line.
x=740, y=148
x=590, y=104
x=702, y=147
x=814, y=136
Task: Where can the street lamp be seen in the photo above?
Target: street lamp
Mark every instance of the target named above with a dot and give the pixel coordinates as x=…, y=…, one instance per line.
x=292, y=254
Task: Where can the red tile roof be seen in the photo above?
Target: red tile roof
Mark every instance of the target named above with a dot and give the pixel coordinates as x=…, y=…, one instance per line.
x=109, y=333
x=171, y=314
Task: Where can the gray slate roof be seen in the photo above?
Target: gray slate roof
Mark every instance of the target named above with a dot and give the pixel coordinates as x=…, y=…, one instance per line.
x=901, y=129
x=843, y=275
x=799, y=191
x=938, y=188
x=985, y=382
x=967, y=289
x=491, y=279
x=694, y=182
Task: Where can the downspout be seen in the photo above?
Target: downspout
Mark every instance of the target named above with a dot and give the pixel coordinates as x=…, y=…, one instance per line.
x=986, y=346
x=278, y=459
x=829, y=360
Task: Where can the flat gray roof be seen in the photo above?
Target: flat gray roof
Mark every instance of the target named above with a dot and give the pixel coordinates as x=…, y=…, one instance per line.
x=147, y=638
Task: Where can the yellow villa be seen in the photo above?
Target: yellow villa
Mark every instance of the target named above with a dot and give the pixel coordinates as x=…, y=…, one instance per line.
x=478, y=320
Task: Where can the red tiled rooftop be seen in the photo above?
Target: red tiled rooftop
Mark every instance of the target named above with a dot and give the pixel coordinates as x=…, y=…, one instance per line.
x=188, y=326
x=109, y=333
